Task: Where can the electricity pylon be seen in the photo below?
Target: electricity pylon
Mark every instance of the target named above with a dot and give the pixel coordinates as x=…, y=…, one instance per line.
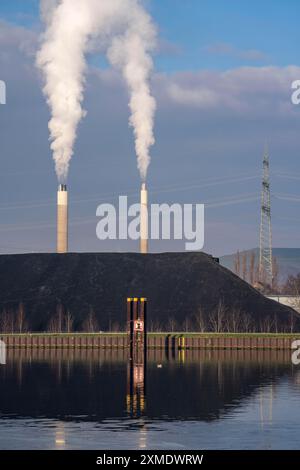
x=265, y=243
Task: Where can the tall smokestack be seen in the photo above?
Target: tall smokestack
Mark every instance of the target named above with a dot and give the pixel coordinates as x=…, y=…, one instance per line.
x=62, y=219
x=144, y=220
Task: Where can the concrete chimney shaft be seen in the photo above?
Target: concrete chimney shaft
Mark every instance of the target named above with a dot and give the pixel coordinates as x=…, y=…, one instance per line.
x=144, y=220
x=62, y=219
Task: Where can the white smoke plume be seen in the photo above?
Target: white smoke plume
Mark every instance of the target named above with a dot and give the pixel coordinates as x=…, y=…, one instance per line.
x=62, y=60
x=47, y=8
x=125, y=31
x=131, y=53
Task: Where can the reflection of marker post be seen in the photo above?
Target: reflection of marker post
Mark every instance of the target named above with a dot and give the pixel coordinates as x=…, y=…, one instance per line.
x=137, y=329
x=130, y=328
x=137, y=348
x=143, y=317
x=135, y=321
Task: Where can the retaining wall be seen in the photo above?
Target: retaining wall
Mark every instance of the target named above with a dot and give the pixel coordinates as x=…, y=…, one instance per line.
x=166, y=341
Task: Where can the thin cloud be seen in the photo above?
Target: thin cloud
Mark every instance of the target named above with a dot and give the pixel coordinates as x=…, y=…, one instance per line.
x=168, y=48
x=23, y=39
x=225, y=49
x=252, y=90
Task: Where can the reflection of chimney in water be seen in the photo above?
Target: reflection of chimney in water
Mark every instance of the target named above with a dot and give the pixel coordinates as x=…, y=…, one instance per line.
x=144, y=220
x=62, y=219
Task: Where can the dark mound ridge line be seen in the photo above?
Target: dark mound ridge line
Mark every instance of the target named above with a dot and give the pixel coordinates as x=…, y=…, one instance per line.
x=177, y=285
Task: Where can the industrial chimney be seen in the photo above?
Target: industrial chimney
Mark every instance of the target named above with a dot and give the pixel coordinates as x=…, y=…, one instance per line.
x=144, y=220
x=62, y=219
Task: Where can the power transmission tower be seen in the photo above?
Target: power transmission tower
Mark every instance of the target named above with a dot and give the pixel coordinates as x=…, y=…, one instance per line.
x=265, y=244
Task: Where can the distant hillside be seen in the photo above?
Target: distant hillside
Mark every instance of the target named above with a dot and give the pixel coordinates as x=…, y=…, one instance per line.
x=288, y=260
x=177, y=285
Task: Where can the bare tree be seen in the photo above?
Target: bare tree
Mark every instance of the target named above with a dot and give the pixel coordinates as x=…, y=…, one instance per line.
x=187, y=324
x=20, y=321
x=155, y=326
x=292, y=285
x=217, y=318
x=247, y=324
x=244, y=266
x=257, y=277
x=237, y=264
x=276, y=324
x=60, y=318
x=69, y=322
x=115, y=327
x=90, y=324
x=199, y=319
x=275, y=285
x=266, y=324
x=56, y=322
x=7, y=321
x=296, y=300
x=53, y=325
x=172, y=325
x=292, y=323
x=233, y=321
x=263, y=279
x=252, y=276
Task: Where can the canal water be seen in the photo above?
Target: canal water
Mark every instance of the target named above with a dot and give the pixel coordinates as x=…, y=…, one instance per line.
x=82, y=399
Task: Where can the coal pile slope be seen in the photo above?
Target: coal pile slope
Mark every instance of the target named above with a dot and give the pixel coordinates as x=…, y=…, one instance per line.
x=177, y=285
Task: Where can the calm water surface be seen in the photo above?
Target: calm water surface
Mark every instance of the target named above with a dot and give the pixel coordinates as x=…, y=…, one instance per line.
x=197, y=400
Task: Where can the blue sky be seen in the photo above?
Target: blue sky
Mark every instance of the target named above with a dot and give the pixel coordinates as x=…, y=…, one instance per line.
x=266, y=26
x=271, y=27
x=243, y=53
